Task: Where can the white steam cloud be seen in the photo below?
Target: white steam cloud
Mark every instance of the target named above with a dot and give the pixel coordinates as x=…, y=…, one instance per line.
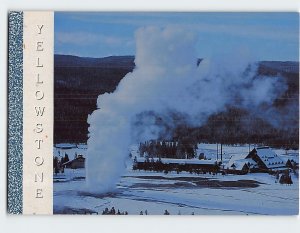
x=166, y=82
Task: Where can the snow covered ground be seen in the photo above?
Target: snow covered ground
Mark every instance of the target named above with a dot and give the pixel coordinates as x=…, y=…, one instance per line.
x=182, y=193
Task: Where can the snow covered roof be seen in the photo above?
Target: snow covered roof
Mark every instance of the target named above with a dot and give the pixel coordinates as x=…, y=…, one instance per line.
x=269, y=157
x=179, y=161
x=79, y=158
x=65, y=145
x=285, y=158
x=81, y=146
x=238, y=162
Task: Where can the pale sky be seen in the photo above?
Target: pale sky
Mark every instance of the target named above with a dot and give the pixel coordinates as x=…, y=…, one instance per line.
x=267, y=36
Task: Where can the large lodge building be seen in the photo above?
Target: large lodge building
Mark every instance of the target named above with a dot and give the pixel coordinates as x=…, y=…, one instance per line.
x=261, y=159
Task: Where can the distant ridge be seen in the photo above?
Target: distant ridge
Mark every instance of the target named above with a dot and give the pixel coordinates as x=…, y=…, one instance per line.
x=105, y=62
x=128, y=62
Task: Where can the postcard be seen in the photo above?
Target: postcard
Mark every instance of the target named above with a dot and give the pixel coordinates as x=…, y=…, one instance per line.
x=153, y=113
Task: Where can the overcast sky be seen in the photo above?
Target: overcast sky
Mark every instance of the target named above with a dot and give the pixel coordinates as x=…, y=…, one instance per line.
x=267, y=36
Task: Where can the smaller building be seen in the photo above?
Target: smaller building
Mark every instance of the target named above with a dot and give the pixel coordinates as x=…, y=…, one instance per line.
x=77, y=162
x=239, y=164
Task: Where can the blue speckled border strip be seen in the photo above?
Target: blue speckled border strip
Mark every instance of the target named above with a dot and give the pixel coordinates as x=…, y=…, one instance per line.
x=15, y=114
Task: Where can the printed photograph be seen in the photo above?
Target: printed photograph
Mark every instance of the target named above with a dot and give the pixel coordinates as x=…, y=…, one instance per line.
x=168, y=113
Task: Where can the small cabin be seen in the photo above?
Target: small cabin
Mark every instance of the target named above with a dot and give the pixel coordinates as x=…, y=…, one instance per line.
x=240, y=165
x=77, y=162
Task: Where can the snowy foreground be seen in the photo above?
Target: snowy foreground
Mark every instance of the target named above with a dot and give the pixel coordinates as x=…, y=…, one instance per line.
x=179, y=193
x=182, y=193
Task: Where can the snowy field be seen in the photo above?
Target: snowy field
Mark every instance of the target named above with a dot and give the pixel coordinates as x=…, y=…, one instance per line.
x=182, y=193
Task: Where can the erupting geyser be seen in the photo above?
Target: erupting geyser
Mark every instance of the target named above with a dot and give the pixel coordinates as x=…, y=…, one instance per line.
x=167, y=80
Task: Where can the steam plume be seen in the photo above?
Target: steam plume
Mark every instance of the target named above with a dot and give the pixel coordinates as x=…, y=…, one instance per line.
x=167, y=82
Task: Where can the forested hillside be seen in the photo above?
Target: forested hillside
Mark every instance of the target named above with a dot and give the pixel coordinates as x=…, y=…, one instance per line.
x=79, y=81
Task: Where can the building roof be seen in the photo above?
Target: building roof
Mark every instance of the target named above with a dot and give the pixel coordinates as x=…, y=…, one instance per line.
x=65, y=145
x=238, y=162
x=79, y=157
x=292, y=158
x=269, y=158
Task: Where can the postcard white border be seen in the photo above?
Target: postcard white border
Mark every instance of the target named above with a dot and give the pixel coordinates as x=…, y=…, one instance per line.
x=38, y=111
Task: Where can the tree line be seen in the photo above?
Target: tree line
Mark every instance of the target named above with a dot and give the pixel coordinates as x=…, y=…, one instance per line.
x=168, y=149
